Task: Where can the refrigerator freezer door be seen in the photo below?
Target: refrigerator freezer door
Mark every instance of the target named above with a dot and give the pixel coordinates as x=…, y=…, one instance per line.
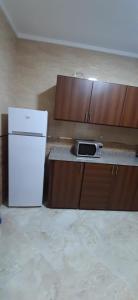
x=26, y=170
x=27, y=121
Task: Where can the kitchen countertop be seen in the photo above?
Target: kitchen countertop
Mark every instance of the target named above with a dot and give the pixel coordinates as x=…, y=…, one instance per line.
x=109, y=156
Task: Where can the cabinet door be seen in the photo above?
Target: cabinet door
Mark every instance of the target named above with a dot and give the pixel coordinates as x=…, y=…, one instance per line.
x=64, y=184
x=135, y=202
x=130, y=111
x=106, y=103
x=125, y=185
x=97, y=186
x=72, y=98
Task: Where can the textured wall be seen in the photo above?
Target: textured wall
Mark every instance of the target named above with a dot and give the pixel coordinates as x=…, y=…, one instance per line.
x=7, y=69
x=7, y=74
x=37, y=67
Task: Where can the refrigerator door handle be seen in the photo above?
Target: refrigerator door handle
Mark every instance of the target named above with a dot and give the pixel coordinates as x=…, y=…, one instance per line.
x=27, y=133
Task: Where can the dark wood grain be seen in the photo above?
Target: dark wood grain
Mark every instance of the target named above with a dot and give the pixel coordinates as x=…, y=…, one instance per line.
x=130, y=112
x=107, y=103
x=65, y=180
x=124, y=191
x=97, y=186
x=135, y=201
x=3, y=169
x=72, y=98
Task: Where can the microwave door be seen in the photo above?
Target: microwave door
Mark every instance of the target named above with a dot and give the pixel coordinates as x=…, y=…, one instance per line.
x=87, y=149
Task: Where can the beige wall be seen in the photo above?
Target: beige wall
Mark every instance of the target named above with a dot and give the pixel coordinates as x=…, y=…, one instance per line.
x=7, y=73
x=37, y=67
x=7, y=69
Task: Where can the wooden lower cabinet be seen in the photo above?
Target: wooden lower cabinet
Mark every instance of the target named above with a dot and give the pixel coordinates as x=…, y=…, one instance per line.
x=97, y=186
x=65, y=180
x=92, y=186
x=125, y=189
x=135, y=202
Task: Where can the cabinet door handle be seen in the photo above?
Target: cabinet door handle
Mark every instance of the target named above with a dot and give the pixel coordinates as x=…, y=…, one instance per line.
x=81, y=168
x=113, y=170
x=116, y=171
x=89, y=116
x=86, y=116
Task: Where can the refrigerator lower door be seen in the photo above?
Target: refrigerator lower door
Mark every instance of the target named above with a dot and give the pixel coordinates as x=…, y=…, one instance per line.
x=26, y=170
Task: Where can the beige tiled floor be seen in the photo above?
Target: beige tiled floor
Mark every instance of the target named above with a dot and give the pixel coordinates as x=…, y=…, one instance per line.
x=68, y=255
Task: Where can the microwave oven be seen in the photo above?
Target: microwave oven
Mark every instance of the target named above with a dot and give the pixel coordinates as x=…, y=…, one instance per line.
x=86, y=148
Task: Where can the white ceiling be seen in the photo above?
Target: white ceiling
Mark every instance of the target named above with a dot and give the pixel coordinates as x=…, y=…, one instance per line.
x=104, y=25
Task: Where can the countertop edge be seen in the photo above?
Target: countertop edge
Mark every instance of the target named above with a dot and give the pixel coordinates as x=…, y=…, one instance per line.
x=110, y=156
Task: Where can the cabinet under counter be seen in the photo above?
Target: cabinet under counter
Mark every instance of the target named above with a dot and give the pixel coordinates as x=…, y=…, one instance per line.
x=109, y=182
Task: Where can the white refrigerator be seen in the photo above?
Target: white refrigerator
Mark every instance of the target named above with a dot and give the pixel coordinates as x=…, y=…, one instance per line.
x=27, y=131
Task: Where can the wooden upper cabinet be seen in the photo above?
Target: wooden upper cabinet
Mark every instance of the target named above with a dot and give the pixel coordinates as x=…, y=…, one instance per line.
x=81, y=100
x=97, y=186
x=125, y=187
x=130, y=111
x=72, y=98
x=106, y=103
x=65, y=180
